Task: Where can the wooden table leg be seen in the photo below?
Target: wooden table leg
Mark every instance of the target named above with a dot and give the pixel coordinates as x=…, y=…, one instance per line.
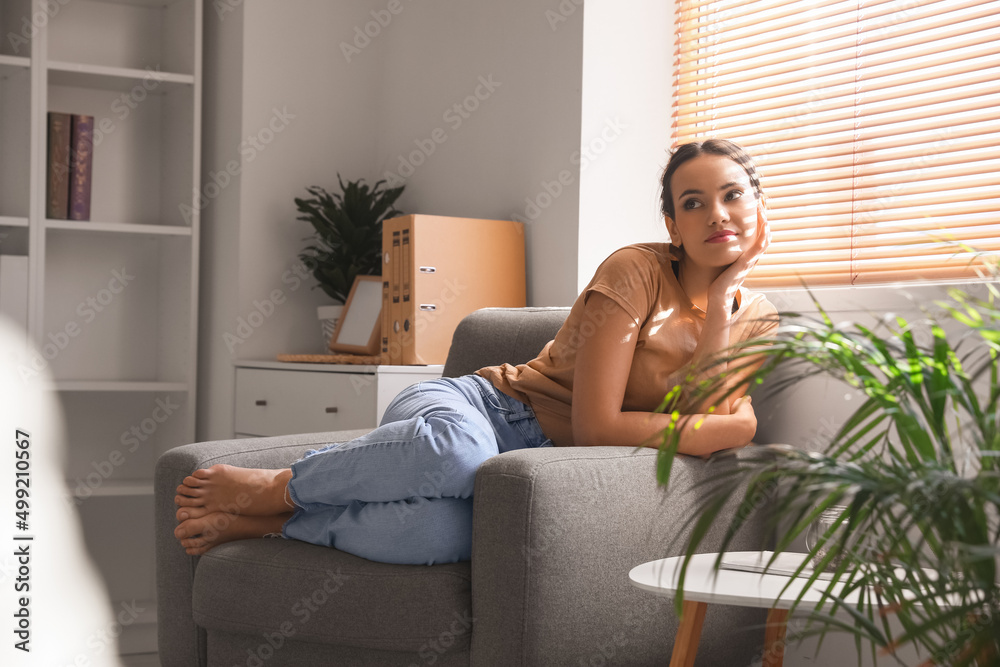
x=688, y=634
x=774, y=637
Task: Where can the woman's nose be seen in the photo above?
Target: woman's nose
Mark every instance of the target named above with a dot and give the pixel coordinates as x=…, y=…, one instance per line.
x=718, y=212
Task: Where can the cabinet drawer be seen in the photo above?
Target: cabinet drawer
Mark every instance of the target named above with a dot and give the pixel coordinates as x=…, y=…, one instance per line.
x=273, y=402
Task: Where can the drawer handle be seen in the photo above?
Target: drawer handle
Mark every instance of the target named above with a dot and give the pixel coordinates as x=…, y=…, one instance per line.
x=260, y=402
x=331, y=409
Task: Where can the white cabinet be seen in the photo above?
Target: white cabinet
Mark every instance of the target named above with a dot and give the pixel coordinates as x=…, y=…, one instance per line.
x=275, y=398
x=112, y=300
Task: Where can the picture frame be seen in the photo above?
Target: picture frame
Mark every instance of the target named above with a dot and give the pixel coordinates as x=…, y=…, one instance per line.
x=358, y=328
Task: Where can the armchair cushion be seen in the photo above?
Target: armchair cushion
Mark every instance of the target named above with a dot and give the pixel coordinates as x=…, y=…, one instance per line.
x=555, y=533
x=317, y=594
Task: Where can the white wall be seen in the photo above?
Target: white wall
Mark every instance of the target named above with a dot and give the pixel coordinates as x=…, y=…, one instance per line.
x=296, y=79
x=285, y=109
x=505, y=140
x=627, y=97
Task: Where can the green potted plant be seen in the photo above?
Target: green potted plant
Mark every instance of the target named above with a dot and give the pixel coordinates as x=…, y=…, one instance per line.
x=917, y=467
x=347, y=240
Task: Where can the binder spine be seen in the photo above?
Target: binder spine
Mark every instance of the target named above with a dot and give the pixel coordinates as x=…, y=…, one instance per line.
x=386, y=323
x=406, y=319
x=395, y=344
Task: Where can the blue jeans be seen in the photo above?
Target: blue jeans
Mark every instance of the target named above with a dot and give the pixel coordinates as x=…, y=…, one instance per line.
x=403, y=493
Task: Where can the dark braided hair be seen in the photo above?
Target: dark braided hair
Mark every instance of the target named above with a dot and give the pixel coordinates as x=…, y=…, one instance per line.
x=685, y=152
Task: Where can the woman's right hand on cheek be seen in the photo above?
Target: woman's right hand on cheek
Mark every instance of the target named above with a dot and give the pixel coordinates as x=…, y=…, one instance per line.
x=729, y=281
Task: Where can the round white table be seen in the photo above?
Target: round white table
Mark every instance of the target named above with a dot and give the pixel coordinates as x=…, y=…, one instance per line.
x=703, y=585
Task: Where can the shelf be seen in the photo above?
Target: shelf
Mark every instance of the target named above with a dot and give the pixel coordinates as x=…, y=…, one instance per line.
x=15, y=134
x=139, y=636
x=144, y=143
x=120, y=536
x=126, y=310
x=116, y=385
x=8, y=221
x=112, y=488
x=126, y=34
x=122, y=79
x=16, y=28
x=88, y=226
x=113, y=442
x=14, y=61
x=151, y=4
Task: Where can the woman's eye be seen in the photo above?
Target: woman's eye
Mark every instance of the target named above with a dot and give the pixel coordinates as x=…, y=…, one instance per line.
x=734, y=194
x=691, y=203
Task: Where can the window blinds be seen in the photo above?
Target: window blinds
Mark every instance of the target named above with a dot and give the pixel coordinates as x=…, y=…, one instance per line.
x=875, y=124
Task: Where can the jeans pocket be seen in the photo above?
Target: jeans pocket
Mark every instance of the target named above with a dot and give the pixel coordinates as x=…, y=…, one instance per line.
x=531, y=431
x=490, y=397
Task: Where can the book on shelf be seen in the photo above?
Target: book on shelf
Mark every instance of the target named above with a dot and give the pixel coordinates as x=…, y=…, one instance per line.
x=57, y=179
x=81, y=157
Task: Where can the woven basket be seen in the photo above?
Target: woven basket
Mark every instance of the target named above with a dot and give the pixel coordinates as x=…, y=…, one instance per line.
x=373, y=360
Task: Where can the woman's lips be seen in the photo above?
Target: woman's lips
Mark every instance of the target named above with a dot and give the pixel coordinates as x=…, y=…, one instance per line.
x=721, y=236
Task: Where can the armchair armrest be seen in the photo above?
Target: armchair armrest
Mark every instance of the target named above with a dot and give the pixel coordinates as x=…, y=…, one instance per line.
x=177, y=633
x=555, y=533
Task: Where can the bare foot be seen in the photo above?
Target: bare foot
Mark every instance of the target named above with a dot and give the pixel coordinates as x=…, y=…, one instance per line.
x=199, y=535
x=226, y=488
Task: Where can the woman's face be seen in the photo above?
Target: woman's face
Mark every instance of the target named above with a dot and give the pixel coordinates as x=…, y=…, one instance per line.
x=715, y=210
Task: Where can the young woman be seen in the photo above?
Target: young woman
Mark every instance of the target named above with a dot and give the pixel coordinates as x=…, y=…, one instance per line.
x=651, y=314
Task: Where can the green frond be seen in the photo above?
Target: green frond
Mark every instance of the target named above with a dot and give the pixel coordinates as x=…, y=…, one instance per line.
x=348, y=232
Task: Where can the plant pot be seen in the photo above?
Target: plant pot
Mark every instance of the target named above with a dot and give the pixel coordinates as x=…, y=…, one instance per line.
x=328, y=316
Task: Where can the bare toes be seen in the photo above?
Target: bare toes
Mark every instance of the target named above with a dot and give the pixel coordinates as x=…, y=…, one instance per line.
x=194, y=479
x=192, y=492
x=184, y=501
x=185, y=513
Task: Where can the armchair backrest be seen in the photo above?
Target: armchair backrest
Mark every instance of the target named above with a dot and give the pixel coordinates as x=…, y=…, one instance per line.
x=493, y=336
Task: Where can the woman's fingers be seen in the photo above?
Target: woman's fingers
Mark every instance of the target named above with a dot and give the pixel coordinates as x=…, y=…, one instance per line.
x=763, y=228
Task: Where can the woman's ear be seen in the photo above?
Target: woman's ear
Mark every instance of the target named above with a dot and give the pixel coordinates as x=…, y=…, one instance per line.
x=675, y=236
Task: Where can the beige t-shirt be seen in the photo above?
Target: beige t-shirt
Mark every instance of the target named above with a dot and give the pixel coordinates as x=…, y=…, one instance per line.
x=641, y=280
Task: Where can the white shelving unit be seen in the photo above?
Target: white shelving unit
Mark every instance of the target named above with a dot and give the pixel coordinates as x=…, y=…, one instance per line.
x=125, y=282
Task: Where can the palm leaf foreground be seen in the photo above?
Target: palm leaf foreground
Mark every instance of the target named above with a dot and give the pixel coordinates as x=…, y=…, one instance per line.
x=916, y=466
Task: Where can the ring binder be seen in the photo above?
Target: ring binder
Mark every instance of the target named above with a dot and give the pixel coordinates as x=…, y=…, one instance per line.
x=438, y=270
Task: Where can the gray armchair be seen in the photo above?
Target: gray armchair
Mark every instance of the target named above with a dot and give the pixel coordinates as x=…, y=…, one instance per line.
x=555, y=532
